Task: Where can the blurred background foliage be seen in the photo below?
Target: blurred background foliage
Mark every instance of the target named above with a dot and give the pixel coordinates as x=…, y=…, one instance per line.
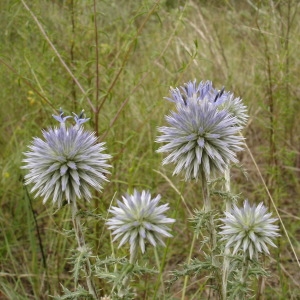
x=141, y=49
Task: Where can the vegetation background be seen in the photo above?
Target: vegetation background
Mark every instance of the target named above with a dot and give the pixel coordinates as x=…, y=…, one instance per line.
x=123, y=57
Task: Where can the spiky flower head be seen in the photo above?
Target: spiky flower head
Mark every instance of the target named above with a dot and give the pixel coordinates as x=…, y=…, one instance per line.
x=205, y=90
x=138, y=219
x=249, y=229
x=67, y=163
x=203, y=138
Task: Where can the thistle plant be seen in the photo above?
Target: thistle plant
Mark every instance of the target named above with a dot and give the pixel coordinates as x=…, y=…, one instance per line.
x=65, y=166
x=203, y=138
x=138, y=220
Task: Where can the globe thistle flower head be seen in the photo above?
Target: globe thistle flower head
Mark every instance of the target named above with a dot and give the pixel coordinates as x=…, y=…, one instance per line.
x=249, y=229
x=235, y=107
x=201, y=139
x=205, y=90
x=190, y=91
x=67, y=163
x=139, y=219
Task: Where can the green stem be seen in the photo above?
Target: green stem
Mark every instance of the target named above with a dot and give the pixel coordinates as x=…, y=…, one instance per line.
x=245, y=270
x=226, y=260
x=133, y=256
x=210, y=227
x=81, y=244
x=126, y=273
x=188, y=262
x=227, y=189
x=159, y=266
x=207, y=209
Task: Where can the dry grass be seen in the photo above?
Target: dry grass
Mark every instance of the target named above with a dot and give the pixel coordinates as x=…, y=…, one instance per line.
x=250, y=48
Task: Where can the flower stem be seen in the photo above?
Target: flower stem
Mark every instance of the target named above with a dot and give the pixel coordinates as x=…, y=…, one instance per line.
x=133, y=256
x=210, y=225
x=245, y=270
x=226, y=260
x=81, y=244
x=207, y=209
x=188, y=261
x=227, y=188
x=159, y=266
x=125, y=282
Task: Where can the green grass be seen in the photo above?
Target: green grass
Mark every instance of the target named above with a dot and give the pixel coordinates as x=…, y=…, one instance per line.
x=252, y=48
